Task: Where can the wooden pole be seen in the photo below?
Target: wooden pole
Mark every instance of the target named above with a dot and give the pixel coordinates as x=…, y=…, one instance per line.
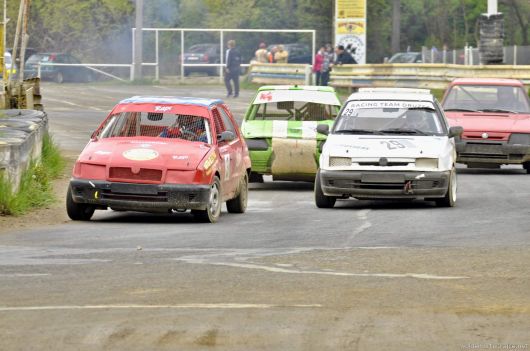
x=17, y=35
x=396, y=25
x=25, y=38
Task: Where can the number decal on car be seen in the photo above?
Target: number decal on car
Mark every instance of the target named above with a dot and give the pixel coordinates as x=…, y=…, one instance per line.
x=393, y=144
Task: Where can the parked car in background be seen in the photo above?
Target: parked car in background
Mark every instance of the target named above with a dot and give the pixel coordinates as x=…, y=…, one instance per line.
x=201, y=54
x=58, y=74
x=406, y=57
x=388, y=143
x=298, y=53
x=162, y=154
x=280, y=130
x=495, y=114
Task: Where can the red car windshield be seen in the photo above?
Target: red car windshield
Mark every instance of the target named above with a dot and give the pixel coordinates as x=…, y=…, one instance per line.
x=154, y=124
x=487, y=98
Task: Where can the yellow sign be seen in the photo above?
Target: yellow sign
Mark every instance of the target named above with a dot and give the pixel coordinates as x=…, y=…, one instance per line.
x=351, y=27
x=351, y=9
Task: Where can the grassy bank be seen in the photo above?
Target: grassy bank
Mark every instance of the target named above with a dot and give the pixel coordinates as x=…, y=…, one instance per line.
x=36, y=183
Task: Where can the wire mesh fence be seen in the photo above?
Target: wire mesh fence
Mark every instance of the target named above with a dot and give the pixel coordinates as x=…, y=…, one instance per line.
x=513, y=55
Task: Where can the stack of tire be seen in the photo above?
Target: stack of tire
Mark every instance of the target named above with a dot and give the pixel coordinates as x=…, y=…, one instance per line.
x=21, y=135
x=491, y=38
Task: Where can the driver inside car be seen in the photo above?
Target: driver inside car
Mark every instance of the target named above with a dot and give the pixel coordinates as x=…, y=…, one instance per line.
x=186, y=127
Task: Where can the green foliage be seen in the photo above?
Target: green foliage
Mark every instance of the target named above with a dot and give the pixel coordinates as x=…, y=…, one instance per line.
x=100, y=30
x=35, y=186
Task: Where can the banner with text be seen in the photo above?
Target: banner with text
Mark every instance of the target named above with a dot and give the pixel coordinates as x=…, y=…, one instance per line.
x=350, y=27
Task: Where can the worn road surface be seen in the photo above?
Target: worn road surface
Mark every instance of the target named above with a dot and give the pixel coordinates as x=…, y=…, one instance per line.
x=283, y=276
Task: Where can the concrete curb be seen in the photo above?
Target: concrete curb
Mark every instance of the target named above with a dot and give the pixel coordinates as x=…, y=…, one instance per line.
x=21, y=137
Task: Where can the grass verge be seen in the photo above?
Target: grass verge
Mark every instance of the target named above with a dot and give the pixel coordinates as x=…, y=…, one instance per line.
x=36, y=184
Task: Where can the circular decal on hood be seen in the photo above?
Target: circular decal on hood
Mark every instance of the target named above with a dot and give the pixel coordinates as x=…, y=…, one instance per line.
x=140, y=154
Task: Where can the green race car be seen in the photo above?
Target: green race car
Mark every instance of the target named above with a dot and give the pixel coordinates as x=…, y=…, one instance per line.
x=280, y=130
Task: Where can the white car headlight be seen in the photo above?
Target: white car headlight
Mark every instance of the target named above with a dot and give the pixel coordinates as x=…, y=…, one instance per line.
x=427, y=163
x=339, y=161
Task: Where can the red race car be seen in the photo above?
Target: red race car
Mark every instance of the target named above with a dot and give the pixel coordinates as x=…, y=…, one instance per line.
x=495, y=114
x=162, y=154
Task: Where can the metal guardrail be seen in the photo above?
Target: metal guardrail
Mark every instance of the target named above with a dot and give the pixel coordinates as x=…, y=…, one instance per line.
x=91, y=67
x=277, y=73
x=430, y=76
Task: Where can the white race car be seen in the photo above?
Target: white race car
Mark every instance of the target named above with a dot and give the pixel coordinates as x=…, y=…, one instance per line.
x=388, y=144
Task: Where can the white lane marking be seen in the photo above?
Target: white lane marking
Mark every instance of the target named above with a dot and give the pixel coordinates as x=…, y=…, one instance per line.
x=341, y=274
x=23, y=275
x=279, y=129
x=73, y=104
x=180, y=306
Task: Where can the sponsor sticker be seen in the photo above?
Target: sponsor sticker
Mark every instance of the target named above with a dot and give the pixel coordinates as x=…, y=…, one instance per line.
x=162, y=108
x=356, y=105
x=140, y=154
x=103, y=152
x=180, y=157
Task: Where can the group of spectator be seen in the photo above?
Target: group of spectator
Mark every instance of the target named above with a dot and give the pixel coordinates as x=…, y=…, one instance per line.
x=325, y=59
x=278, y=54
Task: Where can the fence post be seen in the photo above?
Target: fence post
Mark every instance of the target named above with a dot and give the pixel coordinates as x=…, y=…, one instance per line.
x=222, y=56
x=515, y=55
x=157, y=68
x=471, y=55
x=454, y=57
x=444, y=60
x=131, y=72
x=182, y=54
x=308, y=73
x=432, y=54
x=423, y=56
x=38, y=69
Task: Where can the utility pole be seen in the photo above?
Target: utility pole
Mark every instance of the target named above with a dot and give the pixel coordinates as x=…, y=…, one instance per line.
x=25, y=38
x=138, y=34
x=396, y=25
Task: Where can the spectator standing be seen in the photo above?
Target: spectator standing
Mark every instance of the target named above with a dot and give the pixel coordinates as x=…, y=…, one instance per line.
x=273, y=52
x=326, y=65
x=317, y=67
x=261, y=55
x=343, y=57
x=281, y=56
x=233, y=68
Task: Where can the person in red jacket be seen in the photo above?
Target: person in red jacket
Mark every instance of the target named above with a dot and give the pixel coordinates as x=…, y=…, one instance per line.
x=319, y=59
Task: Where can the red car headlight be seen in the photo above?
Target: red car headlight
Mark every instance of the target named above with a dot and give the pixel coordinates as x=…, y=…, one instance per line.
x=90, y=171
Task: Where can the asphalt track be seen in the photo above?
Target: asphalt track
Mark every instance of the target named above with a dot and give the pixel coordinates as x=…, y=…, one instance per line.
x=283, y=276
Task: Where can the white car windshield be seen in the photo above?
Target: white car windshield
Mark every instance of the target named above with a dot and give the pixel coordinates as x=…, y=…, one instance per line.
x=487, y=98
x=389, y=117
x=154, y=124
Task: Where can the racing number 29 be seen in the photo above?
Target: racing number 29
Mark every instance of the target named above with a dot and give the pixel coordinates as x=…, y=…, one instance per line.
x=393, y=144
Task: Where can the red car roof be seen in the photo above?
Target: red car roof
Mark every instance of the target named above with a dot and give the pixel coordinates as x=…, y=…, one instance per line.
x=487, y=81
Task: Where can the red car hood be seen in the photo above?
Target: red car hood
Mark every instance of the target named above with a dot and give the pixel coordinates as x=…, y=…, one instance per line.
x=155, y=153
x=490, y=122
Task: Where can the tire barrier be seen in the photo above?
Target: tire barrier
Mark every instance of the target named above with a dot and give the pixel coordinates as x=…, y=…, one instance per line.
x=21, y=137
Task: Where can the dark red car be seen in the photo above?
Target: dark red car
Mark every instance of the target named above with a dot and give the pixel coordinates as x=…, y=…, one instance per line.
x=162, y=154
x=495, y=114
